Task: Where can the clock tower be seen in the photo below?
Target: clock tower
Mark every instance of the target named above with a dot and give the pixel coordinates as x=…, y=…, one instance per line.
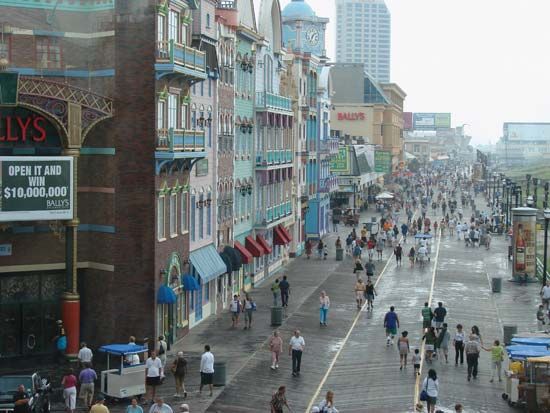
x=303, y=31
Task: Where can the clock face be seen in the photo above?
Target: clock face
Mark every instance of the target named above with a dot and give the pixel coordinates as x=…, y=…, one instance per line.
x=312, y=36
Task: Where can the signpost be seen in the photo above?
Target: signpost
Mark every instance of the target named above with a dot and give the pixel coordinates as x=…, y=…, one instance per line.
x=382, y=161
x=340, y=163
x=36, y=188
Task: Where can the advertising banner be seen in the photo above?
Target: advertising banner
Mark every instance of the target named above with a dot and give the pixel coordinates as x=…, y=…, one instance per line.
x=443, y=120
x=36, y=188
x=407, y=120
x=382, y=162
x=424, y=121
x=340, y=163
x=524, y=242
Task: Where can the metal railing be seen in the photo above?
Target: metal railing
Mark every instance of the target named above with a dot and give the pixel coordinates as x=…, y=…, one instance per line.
x=180, y=140
x=180, y=54
x=266, y=100
x=274, y=157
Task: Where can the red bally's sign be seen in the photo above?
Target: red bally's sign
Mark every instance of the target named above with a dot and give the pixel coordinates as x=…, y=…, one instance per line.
x=21, y=129
x=351, y=116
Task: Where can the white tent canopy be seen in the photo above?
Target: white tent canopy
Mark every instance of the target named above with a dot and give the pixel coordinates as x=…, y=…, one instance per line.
x=384, y=195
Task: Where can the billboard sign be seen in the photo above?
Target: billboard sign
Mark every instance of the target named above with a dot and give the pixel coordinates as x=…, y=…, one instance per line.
x=340, y=163
x=442, y=120
x=431, y=121
x=407, y=120
x=36, y=188
x=524, y=242
x=382, y=162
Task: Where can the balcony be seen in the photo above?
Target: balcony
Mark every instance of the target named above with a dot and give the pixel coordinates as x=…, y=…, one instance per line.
x=329, y=184
x=271, y=102
x=176, y=58
x=179, y=140
x=329, y=146
x=274, y=158
x=274, y=214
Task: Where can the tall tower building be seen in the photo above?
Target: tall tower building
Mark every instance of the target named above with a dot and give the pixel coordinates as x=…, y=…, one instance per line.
x=363, y=35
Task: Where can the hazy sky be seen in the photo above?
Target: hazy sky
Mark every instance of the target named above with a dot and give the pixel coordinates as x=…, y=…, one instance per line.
x=485, y=61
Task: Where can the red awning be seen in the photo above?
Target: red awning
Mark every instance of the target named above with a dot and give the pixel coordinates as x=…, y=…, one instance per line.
x=251, y=245
x=261, y=240
x=246, y=256
x=286, y=232
x=279, y=237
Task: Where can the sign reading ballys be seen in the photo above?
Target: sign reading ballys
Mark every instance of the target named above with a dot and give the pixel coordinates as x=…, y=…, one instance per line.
x=340, y=163
x=382, y=162
x=351, y=116
x=36, y=188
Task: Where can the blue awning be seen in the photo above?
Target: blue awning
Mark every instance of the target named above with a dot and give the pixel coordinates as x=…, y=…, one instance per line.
x=207, y=263
x=123, y=349
x=189, y=283
x=165, y=295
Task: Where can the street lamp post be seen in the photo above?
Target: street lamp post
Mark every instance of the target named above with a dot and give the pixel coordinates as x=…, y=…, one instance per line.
x=528, y=176
x=546, y=220
x=546, y=191
x=536, y=182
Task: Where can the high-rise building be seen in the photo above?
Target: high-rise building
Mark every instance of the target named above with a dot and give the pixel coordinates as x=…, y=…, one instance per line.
x=363, y=35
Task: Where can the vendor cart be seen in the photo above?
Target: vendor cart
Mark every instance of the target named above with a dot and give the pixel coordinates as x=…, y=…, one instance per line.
x=128, y=379
x=351, y=217
x=538, y=374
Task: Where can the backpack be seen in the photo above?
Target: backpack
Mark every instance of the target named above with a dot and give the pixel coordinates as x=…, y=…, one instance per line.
x=472, y=234
x=161, y=349
x=62, y=343
x=357, y=250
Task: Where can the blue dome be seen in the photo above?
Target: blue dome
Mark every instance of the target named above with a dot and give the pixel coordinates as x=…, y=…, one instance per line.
x=298, y=8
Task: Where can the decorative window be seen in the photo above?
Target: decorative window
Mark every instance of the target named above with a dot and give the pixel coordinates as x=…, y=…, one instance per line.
x=183, y=213
x=48, y=52
x=5, y=48
x=209, y=215
x=172, y=111
x=173, y=26
x=173, y=215
x=208, y=20
x=193, y=217
x=160, y=218
x=160, y=29
x=161, y=104
x=201, y=216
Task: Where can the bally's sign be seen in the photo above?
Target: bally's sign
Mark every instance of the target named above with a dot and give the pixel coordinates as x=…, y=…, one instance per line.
x=351, y=116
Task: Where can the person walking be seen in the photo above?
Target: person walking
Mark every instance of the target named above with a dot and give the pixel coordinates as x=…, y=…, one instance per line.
x=412, y=254
x=69, y=390
x=404, y=349
x=327, y=405
x=235, y=309
x=207, y=369
x=248, y=308
x=541, y=322
x=391, y=324
x=427, y=316
x=276, y=348
x=284, y=287
x=309, y=248
x=380, y=247
x=439, y=315
x=370, y=268
x=162, y=348
x=276, y=291
x=179, y=368
x=153, y=373
x=431, y=387
x=99, y=406
x=370, y=292
x=430, y=338
x=134, y=406
x=442, y=343
x=87, y=378
x=320, y=249
x=497, y=357
x=458, y=343
x=160, y=407
x=279, y=401
x=472, y=349
x=545, y=295
x=398, y=251
x=359, y=292
x=295, y=349
x=85, y=355
x=416, y=360
x=324, y=304
x=404, y=232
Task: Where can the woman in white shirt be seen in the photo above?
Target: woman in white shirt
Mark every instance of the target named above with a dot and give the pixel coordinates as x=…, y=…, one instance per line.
x=324, y=304
x=431, y=386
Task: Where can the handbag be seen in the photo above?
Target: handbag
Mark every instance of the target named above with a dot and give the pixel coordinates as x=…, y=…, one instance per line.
x=424, y=393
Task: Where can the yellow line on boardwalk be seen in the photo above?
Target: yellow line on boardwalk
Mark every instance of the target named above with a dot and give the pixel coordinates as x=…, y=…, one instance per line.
x=333, y=362
x=430, y=298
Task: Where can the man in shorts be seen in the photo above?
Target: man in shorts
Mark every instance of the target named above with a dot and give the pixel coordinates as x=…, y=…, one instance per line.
x=439, y=316
x=235, y=308
x=207, y=369
x=427, y=316
x=153, y=373
x=391, y=324
x=545, y=294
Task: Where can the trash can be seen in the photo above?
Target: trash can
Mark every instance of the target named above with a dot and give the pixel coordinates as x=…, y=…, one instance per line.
x=509, y=332
x=339, y=254
x=219, y=373
x=496, y=284
x=276, y=316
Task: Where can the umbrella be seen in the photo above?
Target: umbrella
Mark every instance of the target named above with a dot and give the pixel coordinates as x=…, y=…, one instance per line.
x=384, y=195
x=424, y=236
